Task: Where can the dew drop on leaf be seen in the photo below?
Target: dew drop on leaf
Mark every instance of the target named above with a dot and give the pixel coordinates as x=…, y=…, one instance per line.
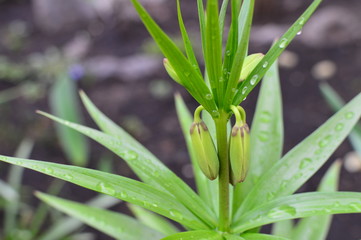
x=254, y=80
x=49, y=170
x=282, y=211
x=265, y=65
x=356, y=206
x=265, y=117
x=215, y=114
x=323, y=143
x=301, y=21
x=299, y=33
x=283, y=43
x=209, y=96
x=187, y=74
x=339, y=126
x=305, y=162
x=176, y=214
x=263, y=136
x=105, y=188
x=123, y=195
x=349, y=115
x=68, y=177
x=244, y=90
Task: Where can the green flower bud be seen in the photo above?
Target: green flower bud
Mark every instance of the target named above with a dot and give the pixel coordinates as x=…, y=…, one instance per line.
x=250, y=62
x=204, y=148
x=239, y=148
x=170, y=71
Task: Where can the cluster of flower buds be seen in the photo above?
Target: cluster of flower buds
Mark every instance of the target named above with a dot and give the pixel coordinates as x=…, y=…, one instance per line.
x=239, y=148
x=204, y=148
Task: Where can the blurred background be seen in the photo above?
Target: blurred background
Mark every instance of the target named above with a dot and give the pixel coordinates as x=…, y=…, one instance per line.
x=49, y=49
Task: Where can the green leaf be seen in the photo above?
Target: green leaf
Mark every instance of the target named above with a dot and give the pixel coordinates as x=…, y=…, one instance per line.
x=232, y=237
x=336, y=102
x=266, y=133
x=139, y=159
x=299, y=164
x=242, y=49
x=222, y=16
x=119, y=187
x=299, y=206
x=190, y=78
x=202, y=24
x=64, y=226
x=205, y=187
x=153, y=221
x=284, y=228
x=253, y=79
x=187, y=42
x=317, y=227
x=116, y=225
x=257, y=236
x=64, y=103
x=199, y=235
x=213, y=47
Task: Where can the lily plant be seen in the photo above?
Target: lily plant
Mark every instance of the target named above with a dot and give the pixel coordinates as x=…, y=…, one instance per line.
x=242, y=179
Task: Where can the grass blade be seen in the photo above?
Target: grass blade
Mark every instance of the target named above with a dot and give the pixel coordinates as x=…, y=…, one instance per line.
x=64, y=103
x=299, y=206
x=222, y=17
x=202, y=24
x=257, y=236
x=153, y=221
x=190, y=78
x=300, y=163
x=199, y=235
x=119, y=187
x=113, y=224
x=253, y=79
x=268, y=121
x=306, y=228
x=66, y=225
x=283, y=229
x=139, y=158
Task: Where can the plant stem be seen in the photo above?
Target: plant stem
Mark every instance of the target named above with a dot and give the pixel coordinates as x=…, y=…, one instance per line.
x=222, y=146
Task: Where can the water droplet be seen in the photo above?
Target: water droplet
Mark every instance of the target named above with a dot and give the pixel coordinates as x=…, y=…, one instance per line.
x=123, y=195
x=339, y=126
x=209, y=96
x=282, y=211
x=301, y=21
x=228, y=53
x=105, y=188
x=356, y=206
x=283, y=43
x=265, y=65
x=299, y=33
x=215, y=114
x=176, y=214
x=244, y=99
x=68, y=177
x=283, y=184
x=154, y=205
x=263, y=136
x=349, y=115
x=265, y=117
x=195, y=66
x=49, y=170
x=254, y=80
x=336, y=205
x=325, y=141
x=187, y=74
x=305, y=162
x=130, y=155
x=244, y=90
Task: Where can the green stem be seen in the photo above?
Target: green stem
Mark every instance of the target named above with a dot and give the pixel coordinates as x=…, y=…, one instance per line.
x=222, y=146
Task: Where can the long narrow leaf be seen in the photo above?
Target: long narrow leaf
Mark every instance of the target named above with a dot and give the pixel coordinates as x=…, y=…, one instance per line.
x=139, y=158
x=202, y=24
x=191, y=79
x=232, y=237
x=253, y=79
x=257, y=236
x=122, y=188
x=113, y=224
x=199, y=235
x=242, y=49
x=299, y=164
x=299, y=206
x=222, y=17
x=317, y=227
x=64, y=103
x=266, y=133
x=153, y=220
x=284, y=228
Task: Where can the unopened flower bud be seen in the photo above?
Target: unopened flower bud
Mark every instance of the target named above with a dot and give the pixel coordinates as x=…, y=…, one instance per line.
x=204, y=149
x=239, y=148
x=170, y=70
x=250, y=62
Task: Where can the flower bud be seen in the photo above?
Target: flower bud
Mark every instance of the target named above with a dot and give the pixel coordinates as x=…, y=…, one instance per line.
x=239, y=153
x=250, y=62
x=170, y=70
x=204, y=149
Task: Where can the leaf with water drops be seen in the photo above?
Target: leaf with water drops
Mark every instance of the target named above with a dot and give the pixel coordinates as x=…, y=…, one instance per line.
x=317, y=227
x=116, y=225
x=266, y=133
x=153, y=220
x=258, y=236
x=298, y=206
x=119, y=187
x=232, y=237
x=148, y=168
x=195, y=235
x=303, y=161
x=274, y=53
x=190, y=78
